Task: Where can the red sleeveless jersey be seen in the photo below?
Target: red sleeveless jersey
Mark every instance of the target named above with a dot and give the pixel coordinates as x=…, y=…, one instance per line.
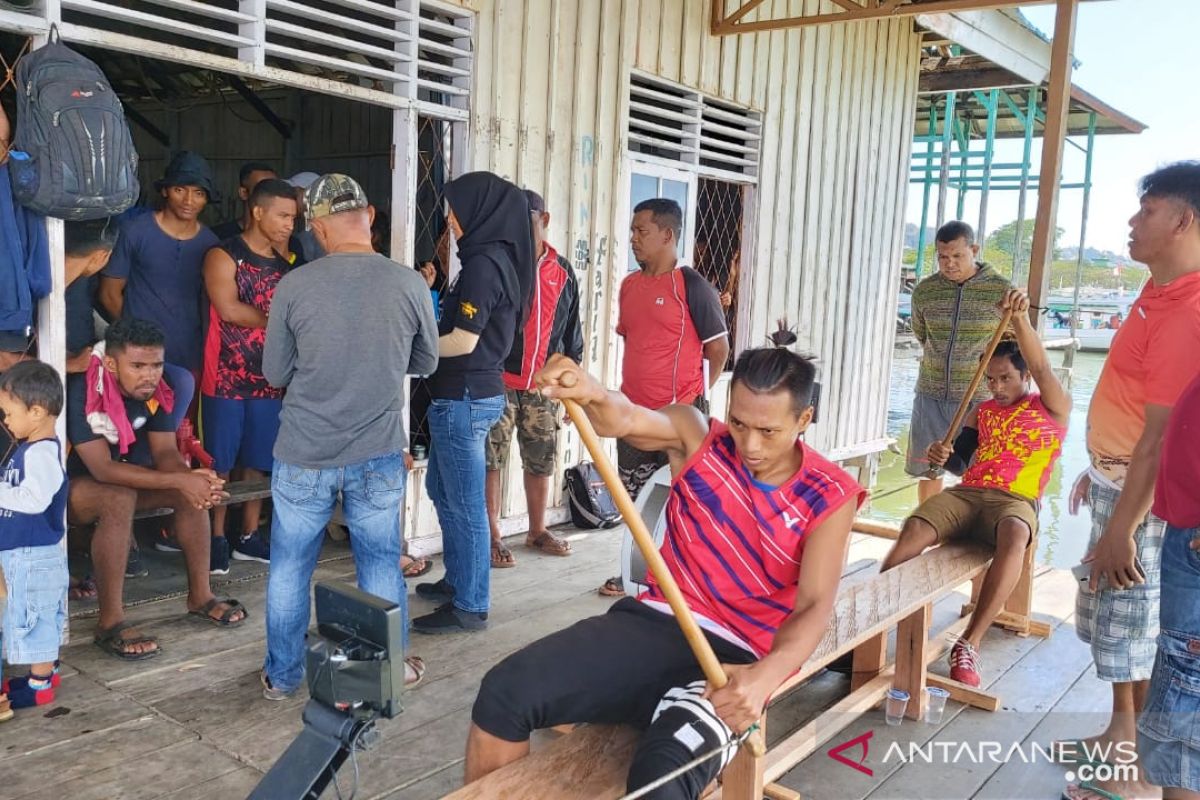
x=735, y=546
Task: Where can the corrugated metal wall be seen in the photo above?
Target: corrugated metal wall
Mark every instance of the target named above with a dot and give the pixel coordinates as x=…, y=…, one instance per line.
x=825, y=221
x=330, y=134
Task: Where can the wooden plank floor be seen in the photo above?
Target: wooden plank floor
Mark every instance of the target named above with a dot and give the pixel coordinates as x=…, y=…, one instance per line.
x=192, y=723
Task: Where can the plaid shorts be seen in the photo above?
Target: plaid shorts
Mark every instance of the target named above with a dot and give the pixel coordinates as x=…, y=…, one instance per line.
x=1121, y=625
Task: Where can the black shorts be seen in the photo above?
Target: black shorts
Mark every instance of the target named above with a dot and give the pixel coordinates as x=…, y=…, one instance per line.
x=614, y=668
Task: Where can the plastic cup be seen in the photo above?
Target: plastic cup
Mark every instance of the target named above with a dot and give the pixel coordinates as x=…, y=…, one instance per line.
x=935, y=704
x=894, y=706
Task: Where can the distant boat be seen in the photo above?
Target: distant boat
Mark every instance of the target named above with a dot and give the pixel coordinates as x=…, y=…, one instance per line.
x=1099, y=319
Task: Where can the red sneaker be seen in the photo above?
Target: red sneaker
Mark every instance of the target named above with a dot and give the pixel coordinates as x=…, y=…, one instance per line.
x=964, y=663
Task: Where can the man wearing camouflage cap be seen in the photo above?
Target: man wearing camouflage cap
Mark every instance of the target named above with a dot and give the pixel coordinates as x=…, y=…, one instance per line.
x=343, y=332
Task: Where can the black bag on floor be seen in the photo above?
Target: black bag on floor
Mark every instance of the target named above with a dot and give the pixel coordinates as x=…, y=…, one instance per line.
x=588, y=498
x=73, y=157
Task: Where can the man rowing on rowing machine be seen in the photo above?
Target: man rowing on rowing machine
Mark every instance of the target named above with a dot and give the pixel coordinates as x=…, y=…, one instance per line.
x=757, y=529
x=1005, y=453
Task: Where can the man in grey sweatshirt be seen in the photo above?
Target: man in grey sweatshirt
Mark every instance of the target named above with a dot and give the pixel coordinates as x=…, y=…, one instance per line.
x=343, y=332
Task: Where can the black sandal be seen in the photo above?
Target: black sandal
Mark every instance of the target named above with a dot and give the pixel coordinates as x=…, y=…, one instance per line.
x=112, y=642
x=226, y=619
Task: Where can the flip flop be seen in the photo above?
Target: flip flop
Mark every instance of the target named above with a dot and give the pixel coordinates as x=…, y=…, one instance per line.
x=414, y=571
x=502, y=557
x=613, y=587
x=112, y=642
x=549, y=544
x=417, y=665
x=1088, y=786
x=226, y=619
x=84, y=590
x=1077, y=753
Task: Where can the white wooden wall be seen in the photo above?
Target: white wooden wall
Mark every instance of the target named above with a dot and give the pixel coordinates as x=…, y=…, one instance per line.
x=548, y=112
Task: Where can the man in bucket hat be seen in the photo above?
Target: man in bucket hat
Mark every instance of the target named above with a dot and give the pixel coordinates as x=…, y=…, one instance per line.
x=155, y=270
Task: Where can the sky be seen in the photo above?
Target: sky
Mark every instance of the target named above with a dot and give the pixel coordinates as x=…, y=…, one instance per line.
x=1138, y=56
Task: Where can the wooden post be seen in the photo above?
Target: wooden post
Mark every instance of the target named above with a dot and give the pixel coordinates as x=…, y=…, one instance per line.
x=927, y=187
x=870, y=658
x=1069, y=357
x=1054, y=138
x=993, y=99
x=912, y=642
x=944, y=172
x=1018, y=267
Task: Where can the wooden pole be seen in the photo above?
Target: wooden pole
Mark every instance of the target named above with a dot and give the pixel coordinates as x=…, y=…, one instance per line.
x=703, y=651
x=944, y=170
x=1053, y=141
x=1018, y=266
x=976, y=379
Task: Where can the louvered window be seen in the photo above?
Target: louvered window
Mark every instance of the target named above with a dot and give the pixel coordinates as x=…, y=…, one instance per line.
x=444, y=56
x=391, y=51
x=729, y=137
x=673, y=123
x=664, y=121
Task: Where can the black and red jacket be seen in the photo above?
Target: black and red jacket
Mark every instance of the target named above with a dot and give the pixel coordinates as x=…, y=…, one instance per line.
x=552, y=325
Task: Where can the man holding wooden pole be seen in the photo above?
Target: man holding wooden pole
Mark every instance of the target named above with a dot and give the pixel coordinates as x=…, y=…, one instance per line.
x=1005, y=452
x=757, y=529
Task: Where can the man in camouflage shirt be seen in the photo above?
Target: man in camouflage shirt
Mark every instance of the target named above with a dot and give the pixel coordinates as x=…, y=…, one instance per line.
x=955, y=311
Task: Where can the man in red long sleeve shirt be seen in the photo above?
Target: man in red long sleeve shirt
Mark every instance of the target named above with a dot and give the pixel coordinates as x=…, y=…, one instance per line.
x=552, y=327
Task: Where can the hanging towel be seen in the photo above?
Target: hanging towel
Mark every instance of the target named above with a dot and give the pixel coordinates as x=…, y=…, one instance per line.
x=104, y=406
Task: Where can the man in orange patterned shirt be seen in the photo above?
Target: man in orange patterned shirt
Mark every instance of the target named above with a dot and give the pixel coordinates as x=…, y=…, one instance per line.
x=1005, y=454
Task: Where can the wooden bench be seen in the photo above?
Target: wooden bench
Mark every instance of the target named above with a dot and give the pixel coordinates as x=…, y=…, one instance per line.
x=239, y=492
x=1017, y=615
x=592, y=761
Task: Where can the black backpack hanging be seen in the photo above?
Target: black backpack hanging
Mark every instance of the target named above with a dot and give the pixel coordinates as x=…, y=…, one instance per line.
x=588, y=498
x=72, y=156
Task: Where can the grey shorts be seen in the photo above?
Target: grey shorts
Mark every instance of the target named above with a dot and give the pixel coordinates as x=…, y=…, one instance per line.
x=931, y=417
x=1121, y=625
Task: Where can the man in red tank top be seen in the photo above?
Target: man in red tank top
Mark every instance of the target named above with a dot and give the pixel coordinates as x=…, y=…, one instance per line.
x=757, y=528
x=1005, y=454
x=240, y=409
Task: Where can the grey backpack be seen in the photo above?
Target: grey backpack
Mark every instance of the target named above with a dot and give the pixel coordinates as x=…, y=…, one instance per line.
x=72, y=156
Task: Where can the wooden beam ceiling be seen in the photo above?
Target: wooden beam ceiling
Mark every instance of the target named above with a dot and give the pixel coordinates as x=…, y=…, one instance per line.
x=731, y=23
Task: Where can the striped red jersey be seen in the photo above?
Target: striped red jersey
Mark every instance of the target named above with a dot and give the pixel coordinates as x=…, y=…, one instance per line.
x=735, y=545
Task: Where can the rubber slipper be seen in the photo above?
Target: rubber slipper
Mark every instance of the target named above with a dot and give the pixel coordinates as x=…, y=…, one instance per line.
x=502, y=557
x=1072, y=752
x=417, y=665
x=112, y=642
x=412, y=570
x=1087, y=786
x=549, y=544
x=613, y=587
x=226, y=619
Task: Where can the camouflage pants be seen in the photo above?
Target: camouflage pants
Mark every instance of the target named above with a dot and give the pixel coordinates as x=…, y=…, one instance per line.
x=636, y=466
x=536, y=421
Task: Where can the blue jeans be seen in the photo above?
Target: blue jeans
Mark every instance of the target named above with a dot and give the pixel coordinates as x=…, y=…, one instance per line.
x=37, y=602
x=1169, y=726
x=458, y=431
x=372, y=495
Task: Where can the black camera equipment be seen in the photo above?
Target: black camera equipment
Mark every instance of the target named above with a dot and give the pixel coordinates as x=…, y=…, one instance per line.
x=355, y=668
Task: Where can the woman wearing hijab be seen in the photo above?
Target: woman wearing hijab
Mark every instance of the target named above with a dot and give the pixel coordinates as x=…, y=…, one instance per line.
x=481, y=315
